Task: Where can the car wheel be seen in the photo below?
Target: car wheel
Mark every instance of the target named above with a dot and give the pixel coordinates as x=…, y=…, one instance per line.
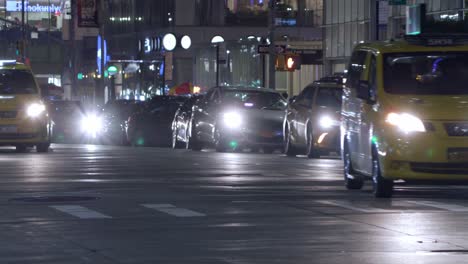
x=352, y=181
x=289, y=149
x=220, y=143
x=176, y=144
x=192, y=142
x=382, y=188
x=312, y=152
x=43, y=147
x=21, y=148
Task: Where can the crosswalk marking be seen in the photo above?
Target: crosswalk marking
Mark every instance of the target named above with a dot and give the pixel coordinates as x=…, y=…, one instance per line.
x=350, y=206
x=173, y=210
x=79, y=211
x=439, y=205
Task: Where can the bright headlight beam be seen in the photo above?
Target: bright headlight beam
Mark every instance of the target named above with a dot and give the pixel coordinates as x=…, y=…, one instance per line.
x=406, y=122
x=35, y=109
x=326, y=122
x=91, y=124
x=232, y=120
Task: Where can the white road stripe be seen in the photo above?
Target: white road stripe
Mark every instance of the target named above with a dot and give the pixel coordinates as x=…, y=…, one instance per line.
x=172, y=210
x=350, y=206
x=79, y=211
x=439, y=205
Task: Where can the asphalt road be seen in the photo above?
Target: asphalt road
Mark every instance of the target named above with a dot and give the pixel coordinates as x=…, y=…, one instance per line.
x=101, y=204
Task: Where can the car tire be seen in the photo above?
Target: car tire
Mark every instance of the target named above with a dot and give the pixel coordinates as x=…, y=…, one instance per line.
x=43, y=147
x=289, y=148
x=352, y=180
x=176, y=144
x=192, y=142
x=382, y=188
x=21, y=148
x=312, y=152
x=220, y=143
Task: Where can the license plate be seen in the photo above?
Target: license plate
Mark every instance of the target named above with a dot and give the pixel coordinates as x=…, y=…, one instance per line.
x=8, y=129
x=458, y=154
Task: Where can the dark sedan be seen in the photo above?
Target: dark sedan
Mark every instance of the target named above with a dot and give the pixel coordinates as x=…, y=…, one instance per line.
x=114, y=118
x=312, y=121
x=152, y=126
x=237, y=117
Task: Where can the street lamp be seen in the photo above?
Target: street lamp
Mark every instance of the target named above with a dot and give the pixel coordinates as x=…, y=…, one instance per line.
x=217, y=40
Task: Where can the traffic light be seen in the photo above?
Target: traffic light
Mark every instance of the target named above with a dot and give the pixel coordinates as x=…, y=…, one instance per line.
x=292, y=62
x=288, y=62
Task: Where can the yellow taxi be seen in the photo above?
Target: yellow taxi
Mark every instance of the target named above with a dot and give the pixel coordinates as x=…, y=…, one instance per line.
x=405, y=112
x=24, y=121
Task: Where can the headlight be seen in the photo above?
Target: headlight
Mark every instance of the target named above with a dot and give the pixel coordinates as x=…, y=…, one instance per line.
x=91, y=124
x=232, y=120
x=35, y=110
x=327, y=122
x=406, y=122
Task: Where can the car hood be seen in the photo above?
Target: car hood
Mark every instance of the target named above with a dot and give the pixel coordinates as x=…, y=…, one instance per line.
x=15, y=102
x=434, y=107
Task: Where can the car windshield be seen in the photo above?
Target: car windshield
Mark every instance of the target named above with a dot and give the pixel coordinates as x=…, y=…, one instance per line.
x=329, y=97
x=256, y=99
x=426, y=73
x=17, y=82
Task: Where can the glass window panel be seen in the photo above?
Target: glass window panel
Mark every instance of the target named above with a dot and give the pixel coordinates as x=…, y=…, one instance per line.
x=341, y=9
x=354, y=34
x=328, y=35
x=361, y=10
x=335, y=41
x=329, y=15
x=354, y=10
x=341, y=45
x=366, y=9
x=347, y=39
x=335, y=8
x=436, y=5
x=348, y=10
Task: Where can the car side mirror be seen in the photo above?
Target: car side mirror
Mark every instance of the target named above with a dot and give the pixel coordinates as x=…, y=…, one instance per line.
x=285, y=95
x=363, y=91
x=292, y=99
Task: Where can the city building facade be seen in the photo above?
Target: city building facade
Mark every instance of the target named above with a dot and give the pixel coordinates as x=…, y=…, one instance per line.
x=349, y=22
x=135, y=29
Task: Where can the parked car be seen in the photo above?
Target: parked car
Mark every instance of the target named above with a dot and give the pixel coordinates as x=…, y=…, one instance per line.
x=236, y=117
x=114, y=117
x=181, y=123
x=66, y=118
x=152, y=126
x=312, y=120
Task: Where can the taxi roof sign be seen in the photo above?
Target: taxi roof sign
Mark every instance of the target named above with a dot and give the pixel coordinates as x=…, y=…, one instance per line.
x=434, y=40
x=7, y=62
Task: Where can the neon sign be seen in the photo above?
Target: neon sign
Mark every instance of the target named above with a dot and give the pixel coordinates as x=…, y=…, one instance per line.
x=16, y=6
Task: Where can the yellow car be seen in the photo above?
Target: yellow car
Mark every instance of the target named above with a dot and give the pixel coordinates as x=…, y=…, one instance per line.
x=405, y=112
x=24, y=121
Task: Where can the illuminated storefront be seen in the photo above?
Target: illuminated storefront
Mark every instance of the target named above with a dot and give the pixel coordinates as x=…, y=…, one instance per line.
x=42, y=15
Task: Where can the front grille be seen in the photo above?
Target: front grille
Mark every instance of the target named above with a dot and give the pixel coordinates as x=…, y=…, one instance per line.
x=18, y=136
x=457, y=129
x=8, y=114
x=440, y=168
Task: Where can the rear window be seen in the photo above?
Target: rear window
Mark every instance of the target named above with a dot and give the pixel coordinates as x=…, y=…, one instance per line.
x=17, y=82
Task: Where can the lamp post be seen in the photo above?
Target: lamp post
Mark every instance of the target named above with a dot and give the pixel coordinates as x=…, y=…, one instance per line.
x=217, y=40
